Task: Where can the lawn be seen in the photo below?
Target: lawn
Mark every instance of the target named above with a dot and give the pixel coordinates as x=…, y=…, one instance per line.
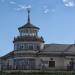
x=39, y=73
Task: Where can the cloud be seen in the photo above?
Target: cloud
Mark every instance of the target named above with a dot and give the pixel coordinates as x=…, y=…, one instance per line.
x=17, y=9
x=12, y=2
x=49, y=10
x=29, y=6
x=23, y=7
x=69, y=3
x=46, y=11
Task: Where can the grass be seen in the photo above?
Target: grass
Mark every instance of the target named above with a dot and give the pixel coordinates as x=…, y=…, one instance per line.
x=40, y=73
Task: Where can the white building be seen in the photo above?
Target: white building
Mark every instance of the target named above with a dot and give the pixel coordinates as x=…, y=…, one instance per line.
x=30, y=52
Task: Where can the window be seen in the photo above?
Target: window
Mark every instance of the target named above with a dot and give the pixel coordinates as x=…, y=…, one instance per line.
x=30, y=46
x=25, y=46
x=16, y=47
x=51, y=63
x=21, y=46
x=36, y=46
x=25, y=63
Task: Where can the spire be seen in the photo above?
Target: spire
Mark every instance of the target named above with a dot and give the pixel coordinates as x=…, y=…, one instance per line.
x=28, y=15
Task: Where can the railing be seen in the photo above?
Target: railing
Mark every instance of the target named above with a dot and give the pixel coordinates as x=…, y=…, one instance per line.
x=21, y=67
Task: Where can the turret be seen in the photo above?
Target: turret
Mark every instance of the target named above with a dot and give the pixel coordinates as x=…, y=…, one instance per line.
x=28, y=38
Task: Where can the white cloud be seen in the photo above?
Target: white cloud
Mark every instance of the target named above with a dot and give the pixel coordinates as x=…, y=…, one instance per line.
x=23, y=7
x=69, y=3
x=29, y=6
x=17, y=9
x=49, y=10
x=65, y=0
x=12, y=2
x=46, y=11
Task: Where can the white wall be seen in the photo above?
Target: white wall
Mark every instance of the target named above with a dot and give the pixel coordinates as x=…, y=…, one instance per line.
x=59, y=61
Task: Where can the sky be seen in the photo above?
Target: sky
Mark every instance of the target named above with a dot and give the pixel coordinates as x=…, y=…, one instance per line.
x=56, y=19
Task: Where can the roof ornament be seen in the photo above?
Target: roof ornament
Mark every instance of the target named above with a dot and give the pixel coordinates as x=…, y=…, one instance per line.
x=28, y=9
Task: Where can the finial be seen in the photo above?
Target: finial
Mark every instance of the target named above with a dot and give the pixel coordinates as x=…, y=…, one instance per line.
x=28, y=15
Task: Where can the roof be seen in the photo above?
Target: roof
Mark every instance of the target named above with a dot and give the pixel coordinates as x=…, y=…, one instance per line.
x=9, y=55
x=55, y=47
x=28, y=25
x=59, y=49
x=52, y=50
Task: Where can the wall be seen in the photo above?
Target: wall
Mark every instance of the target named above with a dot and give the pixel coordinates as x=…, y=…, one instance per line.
x=59, y=62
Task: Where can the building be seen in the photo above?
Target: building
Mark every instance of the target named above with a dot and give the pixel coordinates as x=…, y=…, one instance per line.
x=31, y=53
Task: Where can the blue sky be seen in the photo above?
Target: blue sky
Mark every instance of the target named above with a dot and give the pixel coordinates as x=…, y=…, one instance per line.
x=56, y=19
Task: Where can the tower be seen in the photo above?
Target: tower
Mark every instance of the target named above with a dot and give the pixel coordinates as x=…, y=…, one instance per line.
x=28, y=38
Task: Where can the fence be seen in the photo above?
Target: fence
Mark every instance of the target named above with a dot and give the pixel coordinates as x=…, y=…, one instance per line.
x=23, y=67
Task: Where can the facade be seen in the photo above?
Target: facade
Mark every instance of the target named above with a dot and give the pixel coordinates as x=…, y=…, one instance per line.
x=31, y=53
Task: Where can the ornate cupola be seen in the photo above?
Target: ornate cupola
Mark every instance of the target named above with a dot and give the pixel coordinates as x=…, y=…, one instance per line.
x=28, y=29
x=28, y=38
